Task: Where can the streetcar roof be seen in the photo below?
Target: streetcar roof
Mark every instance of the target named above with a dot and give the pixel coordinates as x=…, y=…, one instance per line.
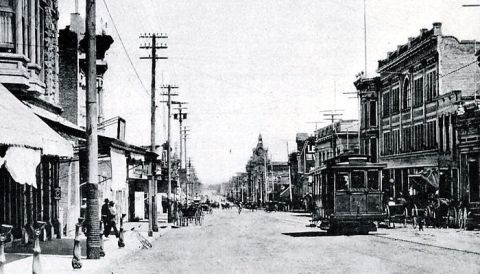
x=349, y=161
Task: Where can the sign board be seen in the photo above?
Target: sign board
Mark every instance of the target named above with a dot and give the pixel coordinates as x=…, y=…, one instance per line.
x=57, y=193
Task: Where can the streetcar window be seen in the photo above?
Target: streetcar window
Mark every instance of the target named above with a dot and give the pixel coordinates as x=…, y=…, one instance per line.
x=342, y=181
x=358, y=179
x=373, y=179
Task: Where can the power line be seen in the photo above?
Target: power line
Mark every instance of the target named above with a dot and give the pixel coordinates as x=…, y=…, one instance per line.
x=124, y=48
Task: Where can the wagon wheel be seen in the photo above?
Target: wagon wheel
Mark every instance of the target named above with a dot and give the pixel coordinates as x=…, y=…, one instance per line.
x=389, y=217
x=461, y=218
x=428, y=215
x=456, y=217
x=414, y=216
x=452, y=217
x=448, y=218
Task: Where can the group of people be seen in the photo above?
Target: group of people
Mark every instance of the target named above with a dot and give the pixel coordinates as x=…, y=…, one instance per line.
x=109, y=215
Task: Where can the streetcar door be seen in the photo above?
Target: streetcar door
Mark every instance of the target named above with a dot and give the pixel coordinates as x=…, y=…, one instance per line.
x=374, y=195
x=358, y=203
x=342, y=187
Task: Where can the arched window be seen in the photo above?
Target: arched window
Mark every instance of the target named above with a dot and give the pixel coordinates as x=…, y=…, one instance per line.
x=406, y=94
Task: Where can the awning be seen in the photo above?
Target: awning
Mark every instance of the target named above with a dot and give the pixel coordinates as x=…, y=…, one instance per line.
x=426, y=177
x=137, y=157
x=285, y=192
x=20, y=127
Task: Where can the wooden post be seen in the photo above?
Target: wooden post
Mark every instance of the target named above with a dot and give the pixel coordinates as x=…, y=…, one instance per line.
x=5, y=231
x=121, y=240
x=77, y=248
x=36, y=265
x=93, y=231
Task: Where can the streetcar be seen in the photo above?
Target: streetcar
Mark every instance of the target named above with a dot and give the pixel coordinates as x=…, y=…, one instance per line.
x=347, y=194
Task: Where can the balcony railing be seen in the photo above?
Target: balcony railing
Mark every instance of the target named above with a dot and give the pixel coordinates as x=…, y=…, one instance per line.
x=7, y=28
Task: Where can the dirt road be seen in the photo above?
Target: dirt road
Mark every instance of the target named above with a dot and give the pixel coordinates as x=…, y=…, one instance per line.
x=279, y=242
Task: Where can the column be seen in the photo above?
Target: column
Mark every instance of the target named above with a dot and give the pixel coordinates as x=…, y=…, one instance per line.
x=19, y=29
x=32, y=38
x=24, y=14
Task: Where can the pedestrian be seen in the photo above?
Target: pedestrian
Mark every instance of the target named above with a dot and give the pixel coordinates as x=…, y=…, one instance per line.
x=105, y=213
x=111, y=220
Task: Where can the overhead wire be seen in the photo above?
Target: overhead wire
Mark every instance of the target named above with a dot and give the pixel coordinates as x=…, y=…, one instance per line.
x=124, y=48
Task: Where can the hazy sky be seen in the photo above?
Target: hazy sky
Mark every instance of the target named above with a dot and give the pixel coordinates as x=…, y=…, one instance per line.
x=250, y=67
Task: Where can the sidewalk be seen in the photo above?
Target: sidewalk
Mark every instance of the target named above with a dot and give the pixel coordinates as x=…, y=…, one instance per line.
x=57, y=255
x=457, y=239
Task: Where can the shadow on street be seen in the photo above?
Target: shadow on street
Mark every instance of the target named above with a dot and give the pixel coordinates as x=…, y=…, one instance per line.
x=307, y=234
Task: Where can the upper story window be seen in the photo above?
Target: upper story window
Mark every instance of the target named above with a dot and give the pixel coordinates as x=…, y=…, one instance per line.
x=395, y=100
x=418, y=91
x=431, y=85
x=7, y=26
x=406, y=95
x=373, y=113
x=386, y=104
x=365, y=115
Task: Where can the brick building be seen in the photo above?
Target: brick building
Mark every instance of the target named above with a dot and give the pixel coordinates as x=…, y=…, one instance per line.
x=408, y=111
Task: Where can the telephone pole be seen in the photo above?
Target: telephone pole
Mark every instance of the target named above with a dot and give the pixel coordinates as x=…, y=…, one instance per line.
x=93, y=224
x=333, y=114
x=180, y=116
x=185, y=134
x=169, y=164
x=152, y=186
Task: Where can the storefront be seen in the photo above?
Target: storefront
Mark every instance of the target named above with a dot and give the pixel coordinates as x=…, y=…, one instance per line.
x=30, y=153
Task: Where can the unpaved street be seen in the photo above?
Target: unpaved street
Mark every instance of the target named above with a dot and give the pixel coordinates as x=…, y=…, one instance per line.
x=260, y=242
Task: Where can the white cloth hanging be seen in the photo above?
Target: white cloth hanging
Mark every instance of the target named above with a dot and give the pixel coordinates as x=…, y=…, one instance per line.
x=22, y=164
x=119, y=169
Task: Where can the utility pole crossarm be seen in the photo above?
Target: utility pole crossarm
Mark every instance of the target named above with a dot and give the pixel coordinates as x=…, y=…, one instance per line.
x=156, y=58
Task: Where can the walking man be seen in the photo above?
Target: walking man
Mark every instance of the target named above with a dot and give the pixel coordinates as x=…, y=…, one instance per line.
x=111, y=220
x=105, y=213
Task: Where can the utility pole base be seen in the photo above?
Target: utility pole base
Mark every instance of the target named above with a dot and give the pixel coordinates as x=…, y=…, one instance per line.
x=93, y=252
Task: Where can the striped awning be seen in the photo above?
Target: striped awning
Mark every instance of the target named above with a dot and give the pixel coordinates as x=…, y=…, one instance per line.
x=20, y=127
